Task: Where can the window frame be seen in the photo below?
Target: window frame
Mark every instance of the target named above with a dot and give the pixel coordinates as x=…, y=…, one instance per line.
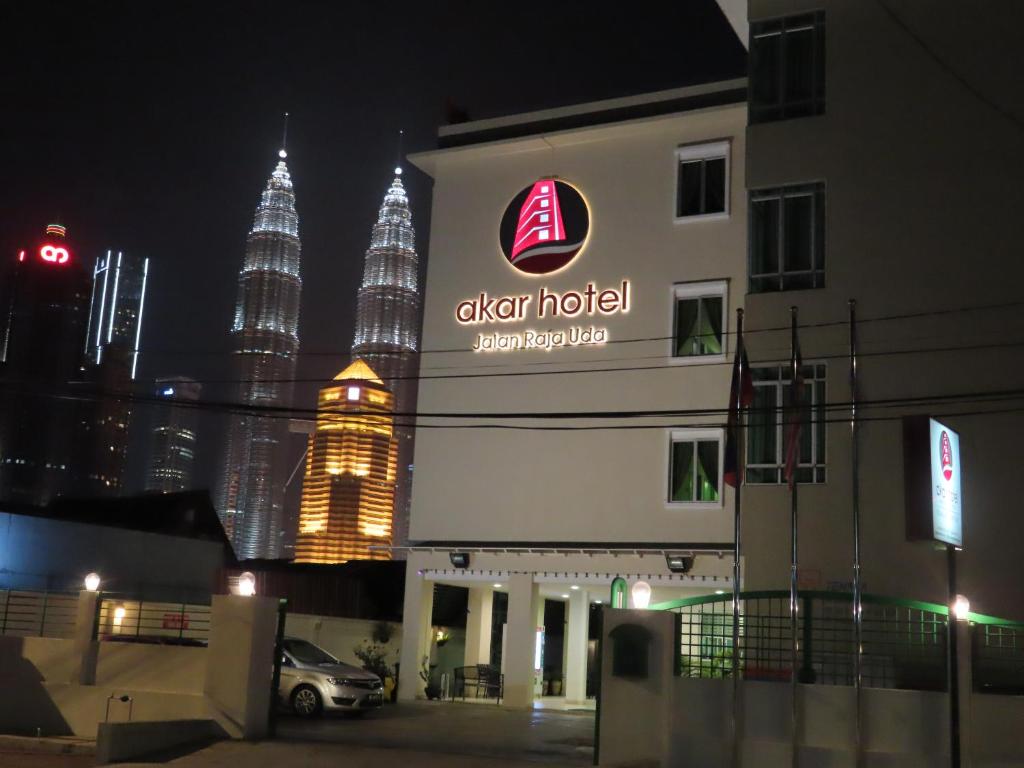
x=694, y=435
x=816, y=191
x=701, y=152
x=699, y=289
x=819, y=430
x=782, y=108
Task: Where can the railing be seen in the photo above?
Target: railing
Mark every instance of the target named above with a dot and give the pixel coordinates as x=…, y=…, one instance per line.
x=997, y=656
x=25, y=613
x=135, y=620
x=903, y=641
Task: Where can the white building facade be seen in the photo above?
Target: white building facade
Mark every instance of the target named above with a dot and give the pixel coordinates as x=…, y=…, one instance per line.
x=587, y=260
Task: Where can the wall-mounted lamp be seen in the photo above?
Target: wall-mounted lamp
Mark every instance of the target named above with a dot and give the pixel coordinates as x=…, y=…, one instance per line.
x=641, y=592
x=247, y=584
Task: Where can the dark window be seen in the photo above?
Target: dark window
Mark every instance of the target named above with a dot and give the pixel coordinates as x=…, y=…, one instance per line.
x=787, y=238
x=693, y=476
x=766, y=425
x=787, y=67
x=698, y=327
x=701, y=186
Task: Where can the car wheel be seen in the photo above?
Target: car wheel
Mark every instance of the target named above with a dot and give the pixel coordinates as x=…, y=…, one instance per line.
x=306, y=701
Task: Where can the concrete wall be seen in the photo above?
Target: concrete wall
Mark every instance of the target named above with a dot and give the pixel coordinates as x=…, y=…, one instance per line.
x=151, y=667
x=608, y=486
x=63, y=686
x=38, y=553
x=634, y=714
x=340, y=636
x=671, y=721
x=923, y=201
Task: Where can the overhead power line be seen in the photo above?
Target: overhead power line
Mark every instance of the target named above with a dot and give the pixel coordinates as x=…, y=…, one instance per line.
x=747, y=332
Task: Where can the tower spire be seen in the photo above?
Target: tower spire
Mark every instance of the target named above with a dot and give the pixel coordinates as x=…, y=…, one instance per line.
x=283, y=153
x=398, y=159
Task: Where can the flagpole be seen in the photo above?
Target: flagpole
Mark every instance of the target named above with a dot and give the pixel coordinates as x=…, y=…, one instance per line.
x=737, y=530
x=793, y=649
x=855, y=496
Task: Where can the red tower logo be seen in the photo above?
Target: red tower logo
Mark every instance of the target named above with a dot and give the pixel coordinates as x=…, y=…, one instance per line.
x=544, y=227
x=946, y=454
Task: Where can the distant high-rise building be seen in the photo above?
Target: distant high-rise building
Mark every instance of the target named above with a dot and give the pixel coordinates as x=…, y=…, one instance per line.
x=43, y=321
x=115, y=312
x=111, y=357
x=388, y=328
x=349, y=488
x=172, y=443
x=265, y=334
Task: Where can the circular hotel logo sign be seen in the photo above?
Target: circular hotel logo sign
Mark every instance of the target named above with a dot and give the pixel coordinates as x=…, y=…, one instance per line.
x=544, y=227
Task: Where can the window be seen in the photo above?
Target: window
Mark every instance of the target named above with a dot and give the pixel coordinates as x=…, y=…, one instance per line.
x=699, y=321
x=695, y=462
x=702, y=181
x=787, y=68
x=787, y=238
x=766, y=427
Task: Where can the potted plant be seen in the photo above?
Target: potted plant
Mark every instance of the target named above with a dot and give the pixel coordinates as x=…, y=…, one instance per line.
x=430, y=689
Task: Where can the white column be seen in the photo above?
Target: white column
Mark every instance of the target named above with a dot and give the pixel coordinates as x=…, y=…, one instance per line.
x=417, y=613
x=576, y=657
x=523, y=599
x=478, y=626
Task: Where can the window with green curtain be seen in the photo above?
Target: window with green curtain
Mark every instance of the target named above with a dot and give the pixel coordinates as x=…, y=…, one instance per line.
x=694, y=474
x=698, y=328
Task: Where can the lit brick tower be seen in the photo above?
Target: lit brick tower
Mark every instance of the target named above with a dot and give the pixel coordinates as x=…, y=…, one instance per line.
x=388, y=328
x=349, y=488
x=265, y=333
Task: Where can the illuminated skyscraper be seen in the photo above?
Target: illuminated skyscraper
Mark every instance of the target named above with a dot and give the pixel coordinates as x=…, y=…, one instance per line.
x=388, y=328
x=265, y=334
x=43, y=321
x=349, y=488
x=111, y=357
x=173, y=438
x=115, y=313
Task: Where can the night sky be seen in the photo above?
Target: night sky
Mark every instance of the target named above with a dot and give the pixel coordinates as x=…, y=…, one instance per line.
x=152, y=128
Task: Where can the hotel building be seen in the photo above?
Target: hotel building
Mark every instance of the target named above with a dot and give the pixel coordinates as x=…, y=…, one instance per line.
x=873, y=135
x=594, y=258
x=348, y=492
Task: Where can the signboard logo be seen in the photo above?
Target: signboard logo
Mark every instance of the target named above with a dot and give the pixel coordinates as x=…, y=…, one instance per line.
x=54, y=254
x=946, y=452
x=544, y=227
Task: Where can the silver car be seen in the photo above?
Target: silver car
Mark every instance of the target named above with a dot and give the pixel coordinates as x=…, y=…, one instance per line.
x=313, y=681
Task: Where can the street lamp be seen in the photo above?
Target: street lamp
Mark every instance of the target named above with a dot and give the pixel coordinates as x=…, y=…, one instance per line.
x=961, y=608
x=92, y=581
x=247, y=584
x=641, y=595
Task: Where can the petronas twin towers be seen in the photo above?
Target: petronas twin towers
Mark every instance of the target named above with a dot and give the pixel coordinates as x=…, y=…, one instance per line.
x=250, y=496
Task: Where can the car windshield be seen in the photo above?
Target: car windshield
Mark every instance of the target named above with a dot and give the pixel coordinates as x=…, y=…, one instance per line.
x=306, y=653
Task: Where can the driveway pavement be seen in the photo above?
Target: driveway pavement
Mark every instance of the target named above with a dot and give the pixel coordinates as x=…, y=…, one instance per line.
x=412, y=735
x=453, y=728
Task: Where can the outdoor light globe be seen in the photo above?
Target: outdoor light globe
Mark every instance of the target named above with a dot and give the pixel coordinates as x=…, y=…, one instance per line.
x=92, y=582
x=247, y=584
x=641, y=595
x=961, y=607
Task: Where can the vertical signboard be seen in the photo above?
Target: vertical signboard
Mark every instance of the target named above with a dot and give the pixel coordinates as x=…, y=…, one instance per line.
x=932, y=481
